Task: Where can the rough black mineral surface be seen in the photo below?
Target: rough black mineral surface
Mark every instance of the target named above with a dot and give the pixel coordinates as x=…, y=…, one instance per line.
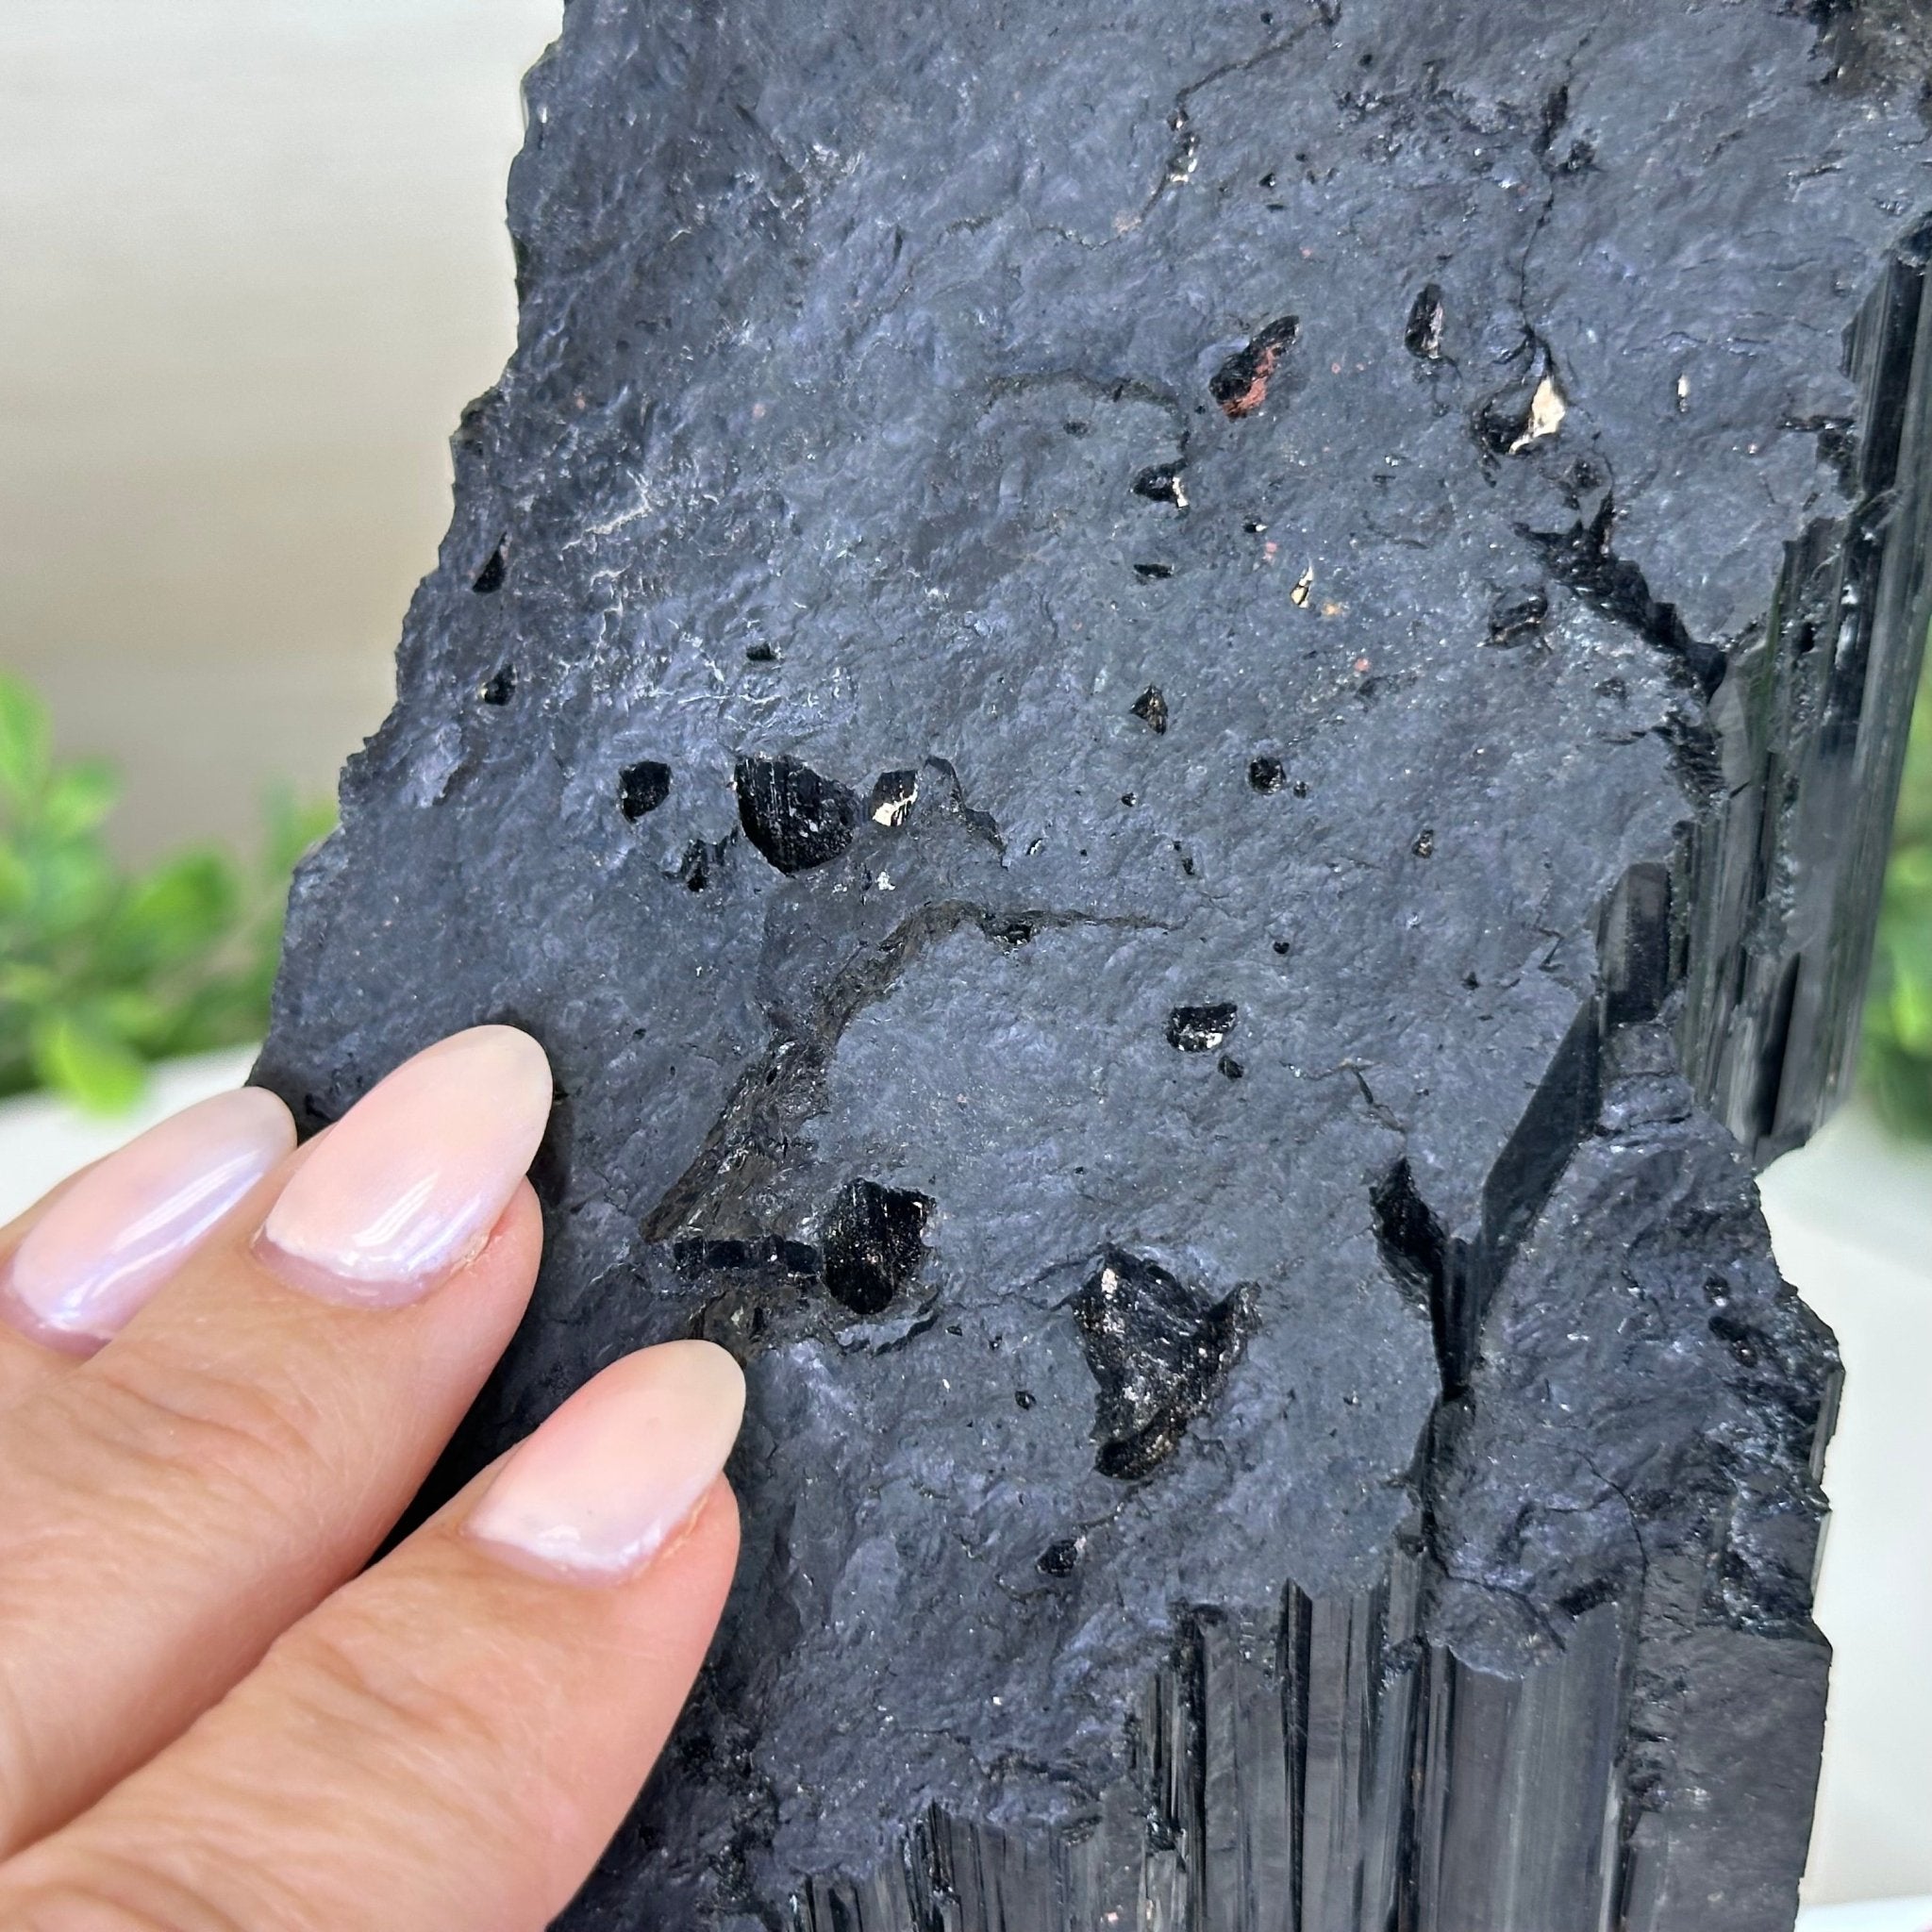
x=1379, y=1489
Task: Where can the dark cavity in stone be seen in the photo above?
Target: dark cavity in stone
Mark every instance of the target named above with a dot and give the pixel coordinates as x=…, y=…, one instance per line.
x=500, y=686
x=695, y=868
x=1151, y=708
x=795, y=817
x=1411, y=1239
x=1266, y=774
x=642, y=787
x=491, y=576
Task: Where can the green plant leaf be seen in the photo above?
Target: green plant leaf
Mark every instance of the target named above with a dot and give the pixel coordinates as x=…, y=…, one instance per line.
x=101, y=969
x=1897, y=1069
x=28, y=983
x=76, y=799
x=182, y=908
x=71, y=886
x=75, y=1056
x=16, y=880
x=140, y=1018
x=26, y=735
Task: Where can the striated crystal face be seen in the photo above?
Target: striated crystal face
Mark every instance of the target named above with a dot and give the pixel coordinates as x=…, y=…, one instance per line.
x=1180, y=722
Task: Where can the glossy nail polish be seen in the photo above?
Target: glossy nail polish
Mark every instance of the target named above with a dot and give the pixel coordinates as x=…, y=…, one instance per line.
x=600, y=1488
x=97, y=1255
x=407, y=1185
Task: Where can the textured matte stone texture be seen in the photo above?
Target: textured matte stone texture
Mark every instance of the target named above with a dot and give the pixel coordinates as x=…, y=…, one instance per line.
x=1180, y=720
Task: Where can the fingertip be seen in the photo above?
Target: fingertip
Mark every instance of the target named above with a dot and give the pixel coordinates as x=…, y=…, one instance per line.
x=615, y=1474
x=694, y=1571
x=519, y=1229
x=407, y=1187
x=718, y=1520
x=272, y=1111
x=99, y=1250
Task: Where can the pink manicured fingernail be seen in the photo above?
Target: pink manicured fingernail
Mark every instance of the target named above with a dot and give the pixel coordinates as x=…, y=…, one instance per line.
x=109, y=1242
x=596, y=1492
x=410, y=1182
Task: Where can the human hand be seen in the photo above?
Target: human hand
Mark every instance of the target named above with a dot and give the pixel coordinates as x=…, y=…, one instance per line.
x=229, y=1366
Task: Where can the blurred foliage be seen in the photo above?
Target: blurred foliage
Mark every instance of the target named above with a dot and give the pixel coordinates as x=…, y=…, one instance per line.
x=103, y=969
x=1898, y=1004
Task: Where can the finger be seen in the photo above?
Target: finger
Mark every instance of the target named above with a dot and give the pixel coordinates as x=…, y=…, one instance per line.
x=25, y=1364
x=451, y=1740
x=77, y=1265
x=246, y=1442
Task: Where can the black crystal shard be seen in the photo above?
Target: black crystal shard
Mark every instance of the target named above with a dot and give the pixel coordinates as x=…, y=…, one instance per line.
x=733, y=1255
x=1470, y=1590
x=642, y=787
x=1162, y=483
x=873, y=1242
x=1202, y=1028
x=1061, y=1558
x=1518, y=613
x=894, y=794
x=1421, y=335
x=1408, y=1235
x=1529, y=407
x=1160, y=1355
x=1581, y=557
x=794, y=817
x=696, y=865
x=1151, y=708
x=1241, y=383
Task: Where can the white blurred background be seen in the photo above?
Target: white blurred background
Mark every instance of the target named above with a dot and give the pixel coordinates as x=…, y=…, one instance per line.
x=252, y=264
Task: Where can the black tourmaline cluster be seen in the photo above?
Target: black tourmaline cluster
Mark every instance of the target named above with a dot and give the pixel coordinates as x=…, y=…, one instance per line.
x=1180, y=720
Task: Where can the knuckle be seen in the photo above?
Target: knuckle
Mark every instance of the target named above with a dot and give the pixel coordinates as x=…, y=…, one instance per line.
x=208, y=1423
x=111, y=1895
x=360, y=1679
x=18, y=1773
